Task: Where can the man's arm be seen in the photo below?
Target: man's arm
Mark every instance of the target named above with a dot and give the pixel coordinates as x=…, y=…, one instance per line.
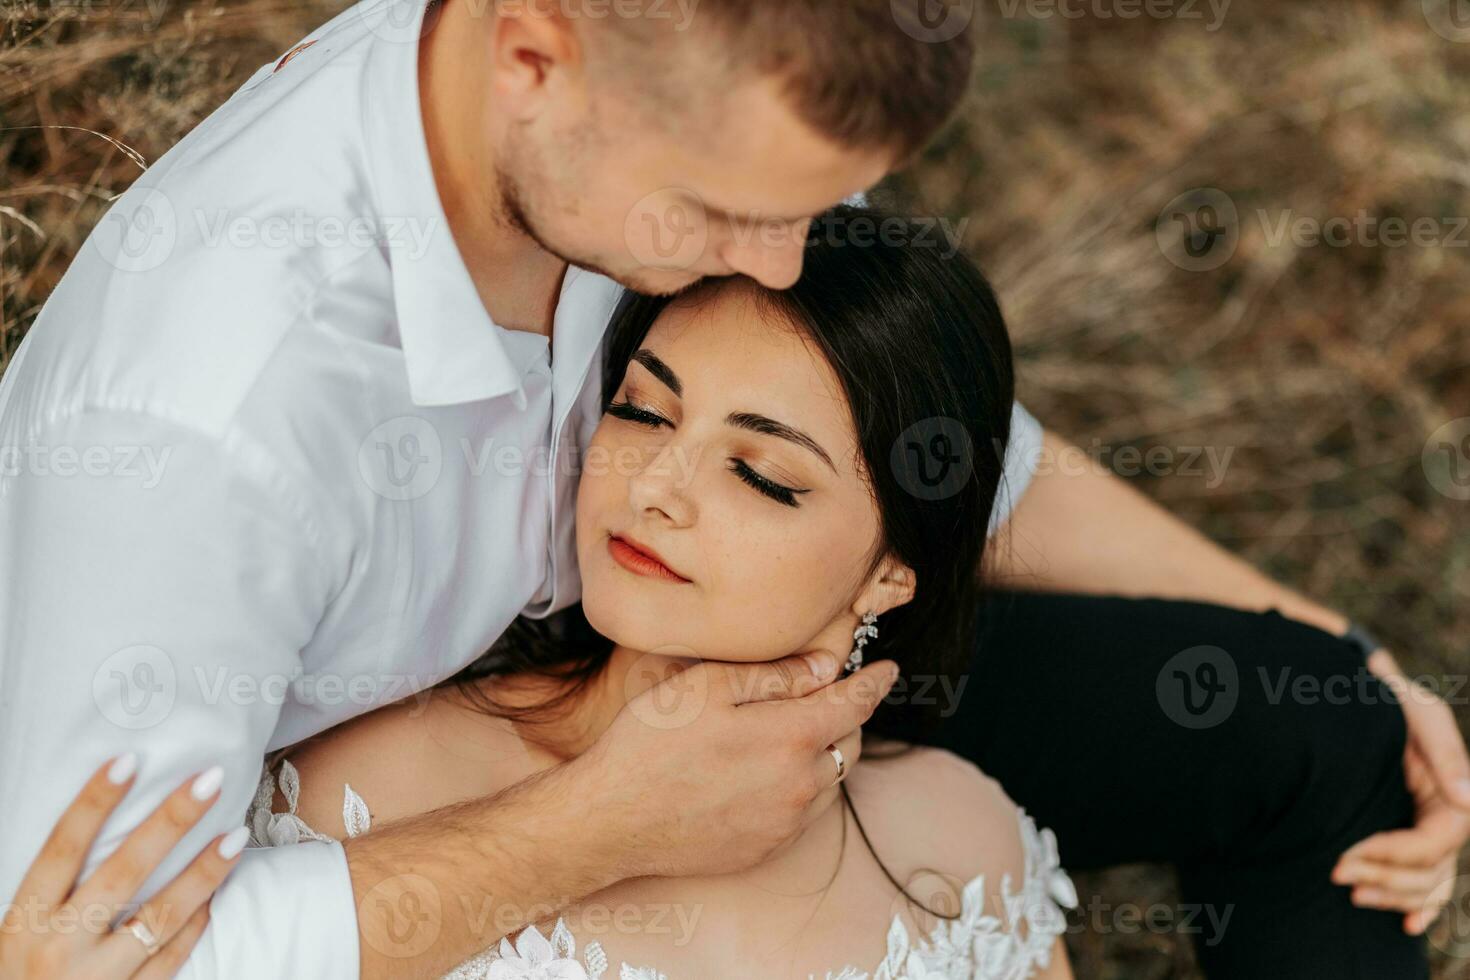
x=434, y=887
x=154, y=598
x=1078, y=528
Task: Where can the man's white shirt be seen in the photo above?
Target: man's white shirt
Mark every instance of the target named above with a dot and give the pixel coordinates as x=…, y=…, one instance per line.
x=266, y=463
x=274, y=466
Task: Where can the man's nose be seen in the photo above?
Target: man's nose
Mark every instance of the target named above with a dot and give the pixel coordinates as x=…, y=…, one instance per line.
x=772, y=256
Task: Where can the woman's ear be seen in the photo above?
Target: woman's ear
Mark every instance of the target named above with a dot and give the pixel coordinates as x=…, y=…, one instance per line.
x=892, y=585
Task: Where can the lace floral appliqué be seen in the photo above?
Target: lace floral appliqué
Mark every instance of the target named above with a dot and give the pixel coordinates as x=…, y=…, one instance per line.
x=974, y=946
x=983, y=946
x=268, y=829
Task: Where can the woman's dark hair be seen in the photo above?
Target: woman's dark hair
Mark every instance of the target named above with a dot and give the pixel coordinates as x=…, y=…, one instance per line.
x=914, y=334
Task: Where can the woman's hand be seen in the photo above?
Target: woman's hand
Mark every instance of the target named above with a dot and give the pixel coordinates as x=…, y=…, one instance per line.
x=56, y=927
x=1413, y=871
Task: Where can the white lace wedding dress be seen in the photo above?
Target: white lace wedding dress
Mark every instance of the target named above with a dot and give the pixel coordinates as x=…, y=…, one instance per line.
x=974, y=946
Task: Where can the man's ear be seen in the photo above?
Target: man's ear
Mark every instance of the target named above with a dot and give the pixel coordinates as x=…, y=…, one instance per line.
x=892, y=586
x=534, y=52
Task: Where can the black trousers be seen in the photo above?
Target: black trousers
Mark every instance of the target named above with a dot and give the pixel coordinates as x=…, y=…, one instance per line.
x=1246, y=749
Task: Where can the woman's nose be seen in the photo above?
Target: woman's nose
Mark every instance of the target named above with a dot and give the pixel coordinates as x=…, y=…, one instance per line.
x=662, y=487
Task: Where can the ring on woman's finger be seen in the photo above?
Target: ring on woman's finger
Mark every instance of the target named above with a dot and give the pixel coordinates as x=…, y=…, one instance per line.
x=142, y=933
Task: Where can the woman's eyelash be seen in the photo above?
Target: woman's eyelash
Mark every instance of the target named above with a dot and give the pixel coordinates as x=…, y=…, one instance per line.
x=641, y=416
x=632, y=413
x=777, y=492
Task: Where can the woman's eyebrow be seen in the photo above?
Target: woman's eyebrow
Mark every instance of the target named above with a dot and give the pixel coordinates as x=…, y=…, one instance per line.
x=770, y=427
x=660, y=370
x=744, y=420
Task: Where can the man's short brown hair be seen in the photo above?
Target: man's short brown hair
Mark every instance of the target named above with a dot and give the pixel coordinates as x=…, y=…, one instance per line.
x=865, y=73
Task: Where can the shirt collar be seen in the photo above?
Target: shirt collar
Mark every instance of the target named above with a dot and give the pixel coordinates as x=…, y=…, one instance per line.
x=453, y=350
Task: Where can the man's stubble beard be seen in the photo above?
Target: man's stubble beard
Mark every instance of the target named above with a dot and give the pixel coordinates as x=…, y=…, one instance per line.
x=517, y=217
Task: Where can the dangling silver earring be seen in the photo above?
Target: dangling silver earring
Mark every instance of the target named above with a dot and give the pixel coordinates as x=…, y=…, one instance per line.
x=864, y=633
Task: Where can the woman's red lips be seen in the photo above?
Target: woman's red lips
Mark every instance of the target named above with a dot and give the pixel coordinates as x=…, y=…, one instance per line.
x=640, y=560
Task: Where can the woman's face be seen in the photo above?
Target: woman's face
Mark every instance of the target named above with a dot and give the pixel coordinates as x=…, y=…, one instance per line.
x=729, y=454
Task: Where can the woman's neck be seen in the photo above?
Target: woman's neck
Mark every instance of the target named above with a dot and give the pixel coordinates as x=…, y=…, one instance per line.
x=578, y=721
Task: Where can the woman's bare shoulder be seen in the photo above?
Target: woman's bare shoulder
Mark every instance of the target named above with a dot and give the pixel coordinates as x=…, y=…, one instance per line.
x=403, y=759
x=955, y=834
x=929, y=810
x=927, y=776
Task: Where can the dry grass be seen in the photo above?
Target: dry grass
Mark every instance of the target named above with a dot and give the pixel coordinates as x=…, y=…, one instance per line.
x=1323, y=368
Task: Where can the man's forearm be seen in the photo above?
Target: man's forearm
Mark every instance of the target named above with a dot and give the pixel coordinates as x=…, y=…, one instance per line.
x=1079, y=528
x=435, y=889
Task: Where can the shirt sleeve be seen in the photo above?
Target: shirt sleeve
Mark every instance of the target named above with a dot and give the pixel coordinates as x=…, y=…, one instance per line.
x=1023, y=453
x=158, y=587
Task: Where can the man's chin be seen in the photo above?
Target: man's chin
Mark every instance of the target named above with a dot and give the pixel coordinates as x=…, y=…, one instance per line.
x=654, y=282
x=648, y=280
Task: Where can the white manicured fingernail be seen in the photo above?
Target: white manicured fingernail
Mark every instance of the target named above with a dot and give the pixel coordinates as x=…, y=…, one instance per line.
x=207, y=782
x=122, y=768
x=233, y=842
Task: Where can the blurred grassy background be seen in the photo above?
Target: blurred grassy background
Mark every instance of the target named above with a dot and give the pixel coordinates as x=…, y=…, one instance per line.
x=1323, y=369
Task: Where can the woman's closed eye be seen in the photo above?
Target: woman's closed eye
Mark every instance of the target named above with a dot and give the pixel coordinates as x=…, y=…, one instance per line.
x=778, y=492
x=764, y=485
x=629, y=412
